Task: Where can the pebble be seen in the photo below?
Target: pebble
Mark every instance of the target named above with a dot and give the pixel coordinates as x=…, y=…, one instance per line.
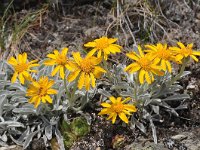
x=179, y=137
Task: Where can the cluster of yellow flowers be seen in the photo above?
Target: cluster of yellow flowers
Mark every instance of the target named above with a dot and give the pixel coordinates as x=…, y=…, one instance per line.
x=157, y=59
x=153, y=61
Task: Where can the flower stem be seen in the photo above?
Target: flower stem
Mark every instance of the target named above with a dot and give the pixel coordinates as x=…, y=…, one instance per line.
x=177, y=77
x=65, y=84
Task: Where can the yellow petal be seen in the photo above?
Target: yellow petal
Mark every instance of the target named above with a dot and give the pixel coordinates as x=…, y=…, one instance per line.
x=112, y=40
x=51, y=91
x=20, y=60
x=147, y=77
x=179, y=57
x=50, y=62
x=132, y=56
x=114, y=118
x=62, y=72
x=56, y=52
x=93, y=80
x=190, y=45
x=123, y=117
x=196, y=53
x=87, y=82
x=81, y=80
x=130, y=108
x=112, y=99
x=24, y=57
x=181, y=45
x=134, y=69
x=43, y=99
x=104, y=111
x=77, y=57
x=163, y=65
x=64, y=51
x=73, y=75
x=14, y=77
x=21, y=78
x=100, y=69
x=140, y=51
x=114, y=49
x=48, y=98
x=141, y=76
x=119, y=99
x=90, y=44
x=169, y=66
x=105, y=105
x=52, y=56
x=194, y=57
x=37, y=102
x=91, y=53
x=55, y=70
x=12, y=61
x=99, y=54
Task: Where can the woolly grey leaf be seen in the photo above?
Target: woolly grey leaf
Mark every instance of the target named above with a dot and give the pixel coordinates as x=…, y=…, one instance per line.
x=17, y=86
x=10, y=124
x=59, y=139
x=153, y=128
x=24, y=111
x=24, y=135
x=177, y=97
x=29, y=139
x=138, y=124
x=48, y=132
x=2, y=102
x=105, y=93
x=2, y=143
x=185, y=73
x=4, y=137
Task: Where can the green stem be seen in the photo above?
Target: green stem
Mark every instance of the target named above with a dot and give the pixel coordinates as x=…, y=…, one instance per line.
x=177, y=77
x=65, y=84
x=105, y=65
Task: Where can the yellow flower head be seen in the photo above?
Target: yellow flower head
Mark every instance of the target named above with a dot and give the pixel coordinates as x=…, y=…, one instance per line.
x=22, y=67
x=40, y=91
x=60, y=60
x=103, y=45
x=184, y=52
x=88, y=70
x=145, y=64
x=161, y=54
x=117, y=108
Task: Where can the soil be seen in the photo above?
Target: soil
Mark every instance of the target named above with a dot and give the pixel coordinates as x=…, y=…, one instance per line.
x=72, y=24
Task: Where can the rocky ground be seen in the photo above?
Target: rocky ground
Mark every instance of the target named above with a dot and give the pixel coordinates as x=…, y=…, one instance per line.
x=73, y=24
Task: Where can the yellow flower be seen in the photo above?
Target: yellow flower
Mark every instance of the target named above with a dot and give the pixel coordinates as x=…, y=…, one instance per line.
x=161, y=54
x=60, y=60
x=87, y=69
x=184, y=52
x=117, y=108
x=103, y=45
x=40, y=91
x=22, y=67
x=145, y=64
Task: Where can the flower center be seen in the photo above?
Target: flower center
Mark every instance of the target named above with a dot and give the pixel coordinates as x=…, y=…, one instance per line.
x=21, y=67
x=164, y=54
x=144, y=63
x=117, y=107
x=86, y=66
x=61, y=60
x=42, y=91
x=187, y=52
x=102, y=43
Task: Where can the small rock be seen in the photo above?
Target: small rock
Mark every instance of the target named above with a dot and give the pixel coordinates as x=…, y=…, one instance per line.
x=12, y=147
x=198, y=15
x=179, y=137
